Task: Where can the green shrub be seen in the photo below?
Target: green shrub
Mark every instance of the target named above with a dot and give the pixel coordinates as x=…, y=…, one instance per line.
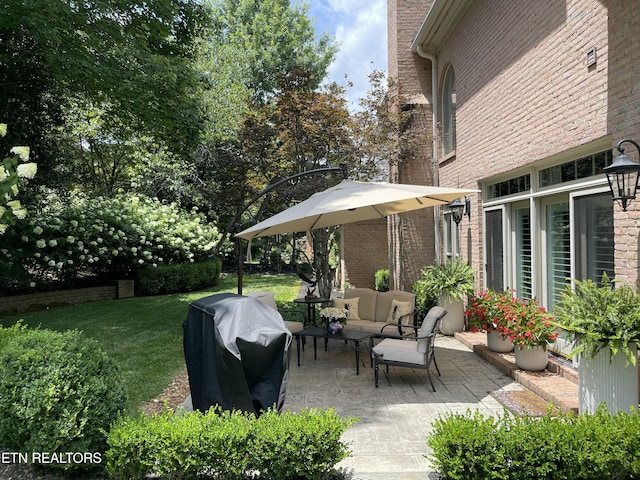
x=305, y=445
x=227, y=445
x=594, y=317
x=6, y=334
x=179, y=446
x=178, y=278
x=59, y=392
x=570, y=446
x=454, y=278
x=466, y=447
x=382, y=280
x=424, y=298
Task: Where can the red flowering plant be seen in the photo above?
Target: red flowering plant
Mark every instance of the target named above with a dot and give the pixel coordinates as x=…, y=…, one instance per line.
x=529, y=324
x=524, y=322
x=487, y=311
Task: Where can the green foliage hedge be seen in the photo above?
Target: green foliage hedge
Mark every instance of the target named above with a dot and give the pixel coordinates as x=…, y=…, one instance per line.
x=585, y=447
x=229, y=445
x=59, y=393
x=181, y=277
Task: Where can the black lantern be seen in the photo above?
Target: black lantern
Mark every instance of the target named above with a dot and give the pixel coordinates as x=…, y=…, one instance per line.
x=458, y=209
x=623, y=176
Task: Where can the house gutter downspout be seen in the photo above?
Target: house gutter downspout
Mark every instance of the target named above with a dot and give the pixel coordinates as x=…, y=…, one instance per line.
x=434, y=120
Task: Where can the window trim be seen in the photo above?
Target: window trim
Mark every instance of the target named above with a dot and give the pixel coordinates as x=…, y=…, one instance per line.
x=506, y=241
x=573, y=227
x=448, y=112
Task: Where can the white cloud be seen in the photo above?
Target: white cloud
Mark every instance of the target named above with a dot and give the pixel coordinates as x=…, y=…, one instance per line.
x=360, y=29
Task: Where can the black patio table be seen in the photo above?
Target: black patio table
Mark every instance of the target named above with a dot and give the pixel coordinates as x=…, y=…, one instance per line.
x=354, y=336
x=311, y=308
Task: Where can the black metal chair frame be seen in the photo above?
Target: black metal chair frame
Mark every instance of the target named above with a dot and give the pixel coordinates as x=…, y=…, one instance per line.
x=430, y=353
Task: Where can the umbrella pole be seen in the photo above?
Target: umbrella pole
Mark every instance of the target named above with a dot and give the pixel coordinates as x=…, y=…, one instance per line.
x=234, y=225
x=240, y=263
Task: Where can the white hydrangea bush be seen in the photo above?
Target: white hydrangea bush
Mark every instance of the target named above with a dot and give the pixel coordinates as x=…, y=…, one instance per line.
x=71, y=236
x=11, y=171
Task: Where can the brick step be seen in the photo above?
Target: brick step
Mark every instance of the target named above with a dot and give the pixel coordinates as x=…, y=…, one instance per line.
x=558, y=384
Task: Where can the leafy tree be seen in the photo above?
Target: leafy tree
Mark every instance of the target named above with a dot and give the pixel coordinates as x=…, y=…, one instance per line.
x=304, y=128
x=381, y=127
x=130, y=60
x=237, y=76
x=276, y=37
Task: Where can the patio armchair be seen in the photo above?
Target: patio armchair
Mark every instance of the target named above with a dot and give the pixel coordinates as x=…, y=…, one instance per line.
x=269, y=299
x=411, y=351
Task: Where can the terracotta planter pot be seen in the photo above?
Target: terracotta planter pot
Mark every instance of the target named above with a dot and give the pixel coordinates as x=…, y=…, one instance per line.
x=531, y=358
x=601, y=380
x=454, y=320
x=498, y=344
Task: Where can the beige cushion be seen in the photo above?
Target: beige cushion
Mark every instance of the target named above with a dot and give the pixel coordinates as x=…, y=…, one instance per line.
x=400, y=351
x=398, y=309
x=268, y=298
x=428, y=326
x=423, y=344
x=294, y=327
x=363, y=326
x=368, y=299
x=383, y=303
x=349, y=304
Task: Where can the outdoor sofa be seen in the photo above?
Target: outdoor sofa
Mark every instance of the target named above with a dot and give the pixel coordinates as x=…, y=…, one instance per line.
x=370, y=310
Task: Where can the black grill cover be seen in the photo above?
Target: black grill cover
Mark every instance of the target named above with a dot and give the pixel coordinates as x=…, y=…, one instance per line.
x=237, y=354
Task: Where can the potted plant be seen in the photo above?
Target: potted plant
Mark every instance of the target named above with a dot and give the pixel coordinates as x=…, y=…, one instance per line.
x=530, y=327
x=449, y=282
x=484, y=313
x=603, y=323
x=335, y=319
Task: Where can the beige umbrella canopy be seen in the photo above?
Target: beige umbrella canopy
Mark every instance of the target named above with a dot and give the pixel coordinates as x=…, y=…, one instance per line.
x=352, y=201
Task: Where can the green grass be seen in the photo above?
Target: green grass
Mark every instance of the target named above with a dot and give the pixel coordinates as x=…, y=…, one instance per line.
x=144, y=334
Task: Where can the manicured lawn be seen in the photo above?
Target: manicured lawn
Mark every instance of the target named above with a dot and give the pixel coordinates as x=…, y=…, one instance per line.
x=144, y=335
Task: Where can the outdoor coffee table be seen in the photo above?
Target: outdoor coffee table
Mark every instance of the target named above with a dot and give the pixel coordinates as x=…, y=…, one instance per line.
x=345, y=335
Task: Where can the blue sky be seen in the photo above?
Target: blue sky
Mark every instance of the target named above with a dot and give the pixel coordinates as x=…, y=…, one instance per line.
x=360, y=29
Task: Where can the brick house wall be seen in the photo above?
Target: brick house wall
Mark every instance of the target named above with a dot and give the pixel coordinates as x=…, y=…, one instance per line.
x=364, y=251
x=411, y=235
x=624, y=122
x=525, y=97
x=524, y=92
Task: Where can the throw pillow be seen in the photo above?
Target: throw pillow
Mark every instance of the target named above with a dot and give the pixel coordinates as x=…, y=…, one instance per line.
x=350, y=305
x=398, y=309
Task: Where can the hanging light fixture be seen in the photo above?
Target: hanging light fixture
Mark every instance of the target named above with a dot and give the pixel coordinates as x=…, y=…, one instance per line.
x=623, y=176
x=459, y=209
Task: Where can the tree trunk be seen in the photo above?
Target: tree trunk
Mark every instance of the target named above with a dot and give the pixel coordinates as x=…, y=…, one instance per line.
x=322, y=240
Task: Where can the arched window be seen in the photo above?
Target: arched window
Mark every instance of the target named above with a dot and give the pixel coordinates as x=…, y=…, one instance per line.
x=449, y=111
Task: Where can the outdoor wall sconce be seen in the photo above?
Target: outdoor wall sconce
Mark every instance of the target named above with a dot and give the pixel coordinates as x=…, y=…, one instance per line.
x=459, y=209
x=623, y=175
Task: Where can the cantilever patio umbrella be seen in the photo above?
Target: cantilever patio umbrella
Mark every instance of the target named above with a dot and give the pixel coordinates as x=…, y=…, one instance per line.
x=352, y=201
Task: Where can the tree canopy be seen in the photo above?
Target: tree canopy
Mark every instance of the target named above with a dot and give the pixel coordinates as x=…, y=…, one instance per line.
x=275, y=38
x=198, y=103
x=130, y=59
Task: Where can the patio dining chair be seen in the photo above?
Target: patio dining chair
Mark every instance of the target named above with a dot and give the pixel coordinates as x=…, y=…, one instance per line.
x=411, y=351
x=269, y=299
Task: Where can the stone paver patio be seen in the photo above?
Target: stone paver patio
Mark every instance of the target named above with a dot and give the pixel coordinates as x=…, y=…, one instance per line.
x=389, y=441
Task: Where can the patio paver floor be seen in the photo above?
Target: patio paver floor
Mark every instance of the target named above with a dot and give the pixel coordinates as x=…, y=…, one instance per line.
x=389, y=441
